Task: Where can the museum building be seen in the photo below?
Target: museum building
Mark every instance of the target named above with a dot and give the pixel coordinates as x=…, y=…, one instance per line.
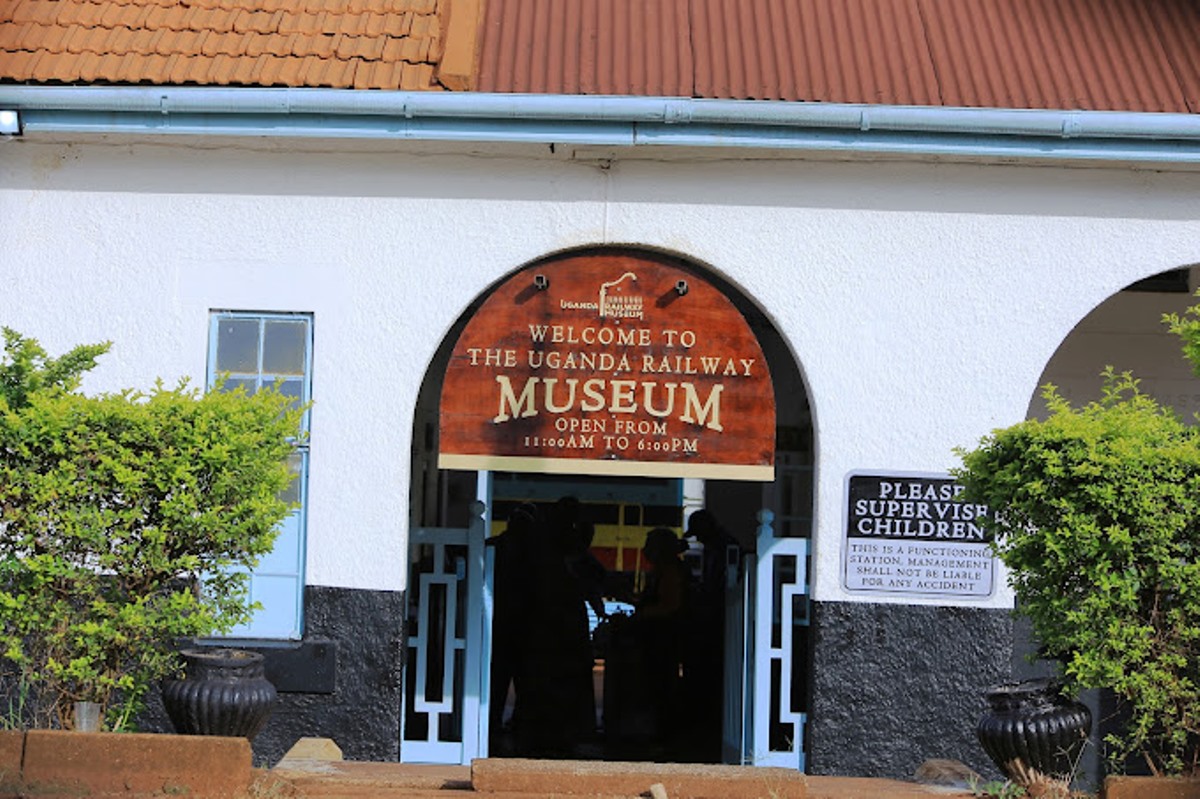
x=555, y=276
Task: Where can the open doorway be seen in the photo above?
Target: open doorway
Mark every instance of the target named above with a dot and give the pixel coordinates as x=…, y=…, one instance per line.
x=1126, y=332
x=646, y=691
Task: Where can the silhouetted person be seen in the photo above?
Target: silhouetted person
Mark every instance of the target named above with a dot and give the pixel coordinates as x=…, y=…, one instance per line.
x=660, y=617
x=704, y=655
x=511, y=597
x=558, y=662
x=588, y=574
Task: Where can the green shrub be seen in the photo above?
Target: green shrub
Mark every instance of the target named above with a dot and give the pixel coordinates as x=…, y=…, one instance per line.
x=1098, y=521
x=124, y=519
x=26, y=367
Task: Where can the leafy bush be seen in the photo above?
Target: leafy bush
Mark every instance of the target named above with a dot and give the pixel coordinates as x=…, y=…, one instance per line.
x=1098, y=522
x=114, y=511
x=26, y=367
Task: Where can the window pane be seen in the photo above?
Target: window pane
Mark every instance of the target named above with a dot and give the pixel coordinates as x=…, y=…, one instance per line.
x=284, y=557
x=237, y=345
x=291, y=494
x=293, y=389
x=233, y=383
x=271, y=350
x=284, y=345
x=279, y=616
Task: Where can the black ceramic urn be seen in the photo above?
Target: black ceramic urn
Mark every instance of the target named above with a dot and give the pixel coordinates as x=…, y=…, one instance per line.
x=1031, y=729
x=223, y=692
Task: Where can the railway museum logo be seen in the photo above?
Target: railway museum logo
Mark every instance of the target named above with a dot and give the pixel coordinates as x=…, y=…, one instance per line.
x=613, y=302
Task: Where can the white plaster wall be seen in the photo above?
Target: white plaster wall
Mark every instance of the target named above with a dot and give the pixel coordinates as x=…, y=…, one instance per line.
x=922, y=301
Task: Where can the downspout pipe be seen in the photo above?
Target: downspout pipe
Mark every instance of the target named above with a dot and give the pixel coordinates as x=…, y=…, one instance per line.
x=615, y=120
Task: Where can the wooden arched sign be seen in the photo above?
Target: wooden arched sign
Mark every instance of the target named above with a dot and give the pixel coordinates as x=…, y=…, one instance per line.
x=609, y=363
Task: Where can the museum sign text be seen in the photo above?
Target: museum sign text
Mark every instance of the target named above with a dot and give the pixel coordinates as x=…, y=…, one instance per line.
x=609, y=363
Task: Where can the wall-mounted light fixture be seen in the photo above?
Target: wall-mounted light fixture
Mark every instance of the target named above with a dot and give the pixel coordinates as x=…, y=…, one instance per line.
x=681, y=287
x=10, y=123
x=541, y=282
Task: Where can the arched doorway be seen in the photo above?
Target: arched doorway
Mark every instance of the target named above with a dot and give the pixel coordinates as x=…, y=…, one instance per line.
x=756, y=709
x=1125, y=332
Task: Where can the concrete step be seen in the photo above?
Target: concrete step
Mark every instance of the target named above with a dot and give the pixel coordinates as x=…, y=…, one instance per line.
x=503, y=777
x=352, y=779
x=513, y=778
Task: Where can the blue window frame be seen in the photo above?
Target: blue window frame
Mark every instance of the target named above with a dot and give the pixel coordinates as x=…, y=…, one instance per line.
x=251, y=350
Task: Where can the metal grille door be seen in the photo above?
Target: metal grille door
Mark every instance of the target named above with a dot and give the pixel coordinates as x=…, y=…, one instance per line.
x=445, y=713
x=780, y=633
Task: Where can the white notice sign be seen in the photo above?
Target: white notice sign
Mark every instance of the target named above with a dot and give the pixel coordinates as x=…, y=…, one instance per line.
x=910, y=534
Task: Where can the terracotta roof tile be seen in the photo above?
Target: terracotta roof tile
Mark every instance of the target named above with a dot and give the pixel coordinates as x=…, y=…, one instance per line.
x=193, y=41
x=393, y=47
x=364, y=43
x=32, y=64
x=397, y=24
x=351, y=24
x=371, y=47
x=23, y=34
x=162, y=42
x=111, y=15
x=276, y=45
x=213, y=43
x=373, y=24
x=243, y=68
x=155, y=65
x=322, y=46
x=265, y=70
x=181, y=68
x=416, y=77
x=130, y=70
x=347, y=47
x=117, y=42
x=138, y=41
x=261, y=21
x=387, y=75
x=177, y=68
x=108, y=66
x=77, y=40
x=414, y=50
x=1136, y=55
x=52, y=64
x=254, y=44
x=22, y=64
x=42, y=37
x=341, y=73
x=134, y=16
x=71, y=14
x=40, y=11
x=324, y=71
x=157, y=18
x=364, y=75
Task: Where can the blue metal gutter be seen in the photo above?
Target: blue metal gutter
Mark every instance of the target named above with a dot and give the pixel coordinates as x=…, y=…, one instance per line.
x=611, y=121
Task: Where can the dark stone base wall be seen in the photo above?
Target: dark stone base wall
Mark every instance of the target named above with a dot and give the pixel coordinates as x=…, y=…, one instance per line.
x=344, y=681
x=895, y=685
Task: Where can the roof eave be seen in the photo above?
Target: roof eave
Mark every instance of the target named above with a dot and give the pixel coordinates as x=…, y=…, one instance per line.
x=616, y=121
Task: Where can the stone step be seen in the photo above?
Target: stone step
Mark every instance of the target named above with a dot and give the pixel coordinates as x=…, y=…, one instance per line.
x=515, y=778
x=565, y=778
